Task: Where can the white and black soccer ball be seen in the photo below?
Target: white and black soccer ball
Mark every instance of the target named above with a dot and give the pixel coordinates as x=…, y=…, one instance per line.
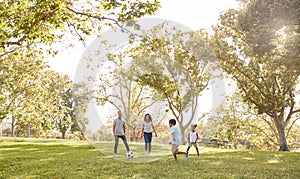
x=129, y=154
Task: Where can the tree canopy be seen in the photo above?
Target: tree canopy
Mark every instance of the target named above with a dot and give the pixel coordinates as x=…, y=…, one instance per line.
x=38, y=24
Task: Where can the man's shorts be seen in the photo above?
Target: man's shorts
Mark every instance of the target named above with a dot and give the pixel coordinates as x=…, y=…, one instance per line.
x=174, y=148
x=192, y=143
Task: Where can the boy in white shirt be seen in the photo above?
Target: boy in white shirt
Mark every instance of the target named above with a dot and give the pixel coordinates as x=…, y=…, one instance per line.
x=192, y=139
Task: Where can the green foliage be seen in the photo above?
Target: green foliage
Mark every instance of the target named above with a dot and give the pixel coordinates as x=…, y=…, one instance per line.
x=38, y=24
x=22, y=86
x=63, y=86
x=80, y=97
x=70, y=159
x=33, y=96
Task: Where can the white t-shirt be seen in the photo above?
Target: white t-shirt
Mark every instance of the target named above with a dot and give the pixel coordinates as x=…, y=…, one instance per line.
x=193, y=136
x=119, y=130
x=147, y=126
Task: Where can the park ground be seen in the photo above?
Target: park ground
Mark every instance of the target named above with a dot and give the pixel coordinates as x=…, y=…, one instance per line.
x=41, y=158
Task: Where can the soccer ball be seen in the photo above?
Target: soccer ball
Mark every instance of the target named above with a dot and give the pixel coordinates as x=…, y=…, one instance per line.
x=129, y=154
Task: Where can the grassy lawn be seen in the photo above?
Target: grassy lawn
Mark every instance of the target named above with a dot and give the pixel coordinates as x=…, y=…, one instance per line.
x=36, y=158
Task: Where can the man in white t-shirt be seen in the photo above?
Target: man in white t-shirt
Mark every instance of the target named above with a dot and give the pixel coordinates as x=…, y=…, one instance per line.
x=119, y=132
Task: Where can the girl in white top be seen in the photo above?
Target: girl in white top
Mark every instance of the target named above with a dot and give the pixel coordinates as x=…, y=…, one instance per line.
x=147, y=132
x=192, y=139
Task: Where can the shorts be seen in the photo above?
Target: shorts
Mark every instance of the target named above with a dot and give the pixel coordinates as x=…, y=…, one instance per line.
x=174, y=148
x=192, y=143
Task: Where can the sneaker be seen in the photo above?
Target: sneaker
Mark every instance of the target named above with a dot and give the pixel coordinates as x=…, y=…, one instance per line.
x=186, y=155
x=198, y=155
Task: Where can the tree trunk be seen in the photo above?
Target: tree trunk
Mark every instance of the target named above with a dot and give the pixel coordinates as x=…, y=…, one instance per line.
x=281, y=134
x=13, y=127
x=182, y=132
x=63, y=134
x=128, y=134
x=28, y=130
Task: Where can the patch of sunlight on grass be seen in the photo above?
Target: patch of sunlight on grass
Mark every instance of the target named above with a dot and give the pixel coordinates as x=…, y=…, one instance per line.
x=273, y=161
x=46, y=159
x=279, y=155
x=58, y=154
x=32, y=149
x=10, y=148
x=217, y=163
x=207, y=150
x=248, y=158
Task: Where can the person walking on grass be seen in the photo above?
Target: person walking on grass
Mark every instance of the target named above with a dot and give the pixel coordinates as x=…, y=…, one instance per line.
x=119, y=131
x=175, y=137
x=192, y=140
x=147, y=132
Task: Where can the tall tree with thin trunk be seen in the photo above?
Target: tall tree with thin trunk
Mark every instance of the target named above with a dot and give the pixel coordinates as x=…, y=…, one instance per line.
x=117, y=89
x=176, y=65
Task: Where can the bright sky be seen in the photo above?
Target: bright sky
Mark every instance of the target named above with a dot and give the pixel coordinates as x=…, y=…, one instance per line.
x=194, y=14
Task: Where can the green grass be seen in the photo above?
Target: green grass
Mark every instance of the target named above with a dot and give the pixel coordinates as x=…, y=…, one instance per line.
x=36, y=158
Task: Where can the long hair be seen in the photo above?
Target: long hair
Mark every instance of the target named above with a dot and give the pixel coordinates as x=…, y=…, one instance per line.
x=149, y=117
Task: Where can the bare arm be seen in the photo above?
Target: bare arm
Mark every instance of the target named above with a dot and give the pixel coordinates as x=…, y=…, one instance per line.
x=114, y=129
x=124, y=129
x=142, y=131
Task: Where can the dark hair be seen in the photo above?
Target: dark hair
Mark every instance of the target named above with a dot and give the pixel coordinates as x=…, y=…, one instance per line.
x=172, y=121
x=146, y=116
x=195, y=125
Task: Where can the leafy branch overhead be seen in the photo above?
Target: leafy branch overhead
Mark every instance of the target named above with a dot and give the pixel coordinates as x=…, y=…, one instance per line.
x=31, y=23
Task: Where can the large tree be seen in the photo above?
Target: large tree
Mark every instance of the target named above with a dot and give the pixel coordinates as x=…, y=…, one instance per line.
x=61, y=86
x=20, y=86
x=177, y=65
x=259, y=46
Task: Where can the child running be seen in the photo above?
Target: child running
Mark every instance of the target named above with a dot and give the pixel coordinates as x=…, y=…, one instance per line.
x=175, y=136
